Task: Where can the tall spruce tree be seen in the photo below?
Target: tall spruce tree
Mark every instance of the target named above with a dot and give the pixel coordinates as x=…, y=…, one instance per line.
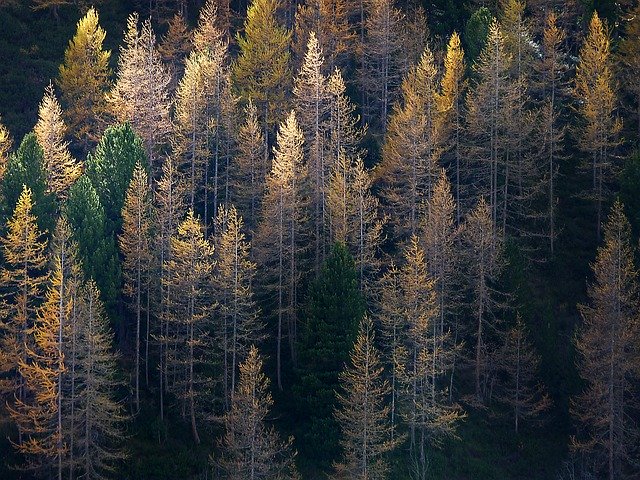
x=334, y=308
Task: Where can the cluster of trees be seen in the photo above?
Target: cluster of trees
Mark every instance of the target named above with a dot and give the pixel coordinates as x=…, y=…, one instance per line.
x=322, y=186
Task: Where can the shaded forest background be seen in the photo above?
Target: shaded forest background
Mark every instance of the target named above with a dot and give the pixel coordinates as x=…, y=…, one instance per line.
x=544, y=289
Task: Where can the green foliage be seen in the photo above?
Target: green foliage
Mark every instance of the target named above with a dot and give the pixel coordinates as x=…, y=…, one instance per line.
x=97, y=249
x=476, y=31
x=110, y=169
x=334, y=310
x=26, y=167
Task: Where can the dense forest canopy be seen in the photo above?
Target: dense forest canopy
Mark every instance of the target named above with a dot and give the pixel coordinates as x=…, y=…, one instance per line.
x=320, y=239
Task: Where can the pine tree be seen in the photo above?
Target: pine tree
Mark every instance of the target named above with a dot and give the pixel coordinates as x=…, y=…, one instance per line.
x=6, y=143
x=110, y=169
x=607, y=353
x=283, y=220
x=518, y=363
x=83, y=81
x=26, y=168
x=96, y=246
x=311, y=101
x=427, y=357
x=135, y=247
x=23, y=279
x=364, y=413
x=190, y=267
x=62, y=168
x=251, y=450
x=595, y=91
x=483, y=263
x=262, y=72
x=411, y=150
x=249, y=175
x=140, y=95
x=334, y=309
x=100, y=415
x=380, y=62
x=450, y=122
x=240, y=325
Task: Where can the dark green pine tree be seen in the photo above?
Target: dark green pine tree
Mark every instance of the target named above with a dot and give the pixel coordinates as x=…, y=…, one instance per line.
x=26, y=167
x=110, y=169
x=85, y=214
x=334, y=310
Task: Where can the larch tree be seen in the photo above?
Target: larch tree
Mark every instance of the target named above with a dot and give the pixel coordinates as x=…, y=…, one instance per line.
x=329, y=19
x=211, y=37
x=312, y=108
x=140, y=95
x=440, y=239
x=101, y=416
x=169, y=207
x=250, y=169
x=518, y=364
x=607, y=345
x=238, y=315
x=411, y=151
x=380, y=65
x=191, y=142
x=23, y=279
x=355, y=217
x=134, y=242
x=38, y=414
x=262, y=71
x=83, y=81
x=629, y=52
x=483, y=263
x=450, y=116
x=497, y=171
x=189, y=313
x=363, y=413
x=62, y=169
x=427, y=358
x=252, y=450
x=281, y=234
x=175, y=47
x=390, y=316
x=595, y=91
x=550, y=72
